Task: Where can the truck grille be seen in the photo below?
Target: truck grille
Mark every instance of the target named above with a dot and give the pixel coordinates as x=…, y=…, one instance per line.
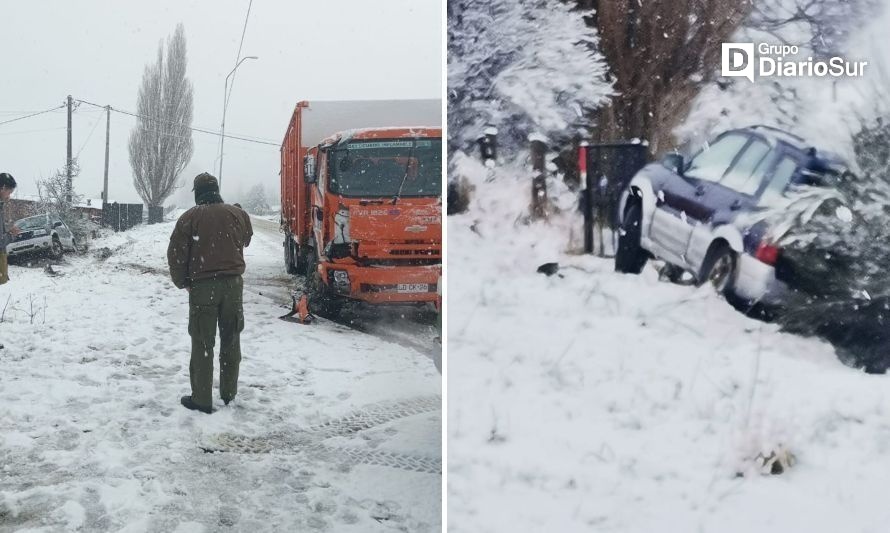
x=401, y=262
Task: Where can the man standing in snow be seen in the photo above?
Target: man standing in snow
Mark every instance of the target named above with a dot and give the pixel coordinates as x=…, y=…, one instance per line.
x=206, y=258
x=7, y=186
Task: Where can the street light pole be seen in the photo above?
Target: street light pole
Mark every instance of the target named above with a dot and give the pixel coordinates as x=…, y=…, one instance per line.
x=222, y=128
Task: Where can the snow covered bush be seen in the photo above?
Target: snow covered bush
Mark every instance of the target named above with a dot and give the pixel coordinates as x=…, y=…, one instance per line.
x=58, y=199
x=835, y=250
x=255, y=201
x=522, y=66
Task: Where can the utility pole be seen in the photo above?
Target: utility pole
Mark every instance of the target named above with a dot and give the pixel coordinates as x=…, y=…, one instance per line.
x=222, y=136
x=68, y=164
x=107, y=142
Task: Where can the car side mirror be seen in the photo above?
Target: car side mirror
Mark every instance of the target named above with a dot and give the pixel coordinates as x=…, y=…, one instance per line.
x=674, y=162
x=57, y=224
x=309, y=170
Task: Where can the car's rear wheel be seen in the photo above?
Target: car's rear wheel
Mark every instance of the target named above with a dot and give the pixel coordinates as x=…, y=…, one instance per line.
x=719, y=269
x=56, y=251
x=630, y=257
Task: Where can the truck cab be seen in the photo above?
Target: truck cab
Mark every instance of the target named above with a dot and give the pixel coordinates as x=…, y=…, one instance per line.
x=375, y=195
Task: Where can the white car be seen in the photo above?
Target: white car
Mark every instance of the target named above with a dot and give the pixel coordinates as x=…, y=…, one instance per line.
x=42, y=234
x=696, y=215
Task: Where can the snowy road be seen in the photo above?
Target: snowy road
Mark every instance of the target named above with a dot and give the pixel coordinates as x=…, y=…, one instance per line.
x=410, y=327
x=333, y=429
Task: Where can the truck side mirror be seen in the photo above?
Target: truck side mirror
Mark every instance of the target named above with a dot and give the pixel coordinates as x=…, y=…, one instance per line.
x=309, y=170
x=674, y=162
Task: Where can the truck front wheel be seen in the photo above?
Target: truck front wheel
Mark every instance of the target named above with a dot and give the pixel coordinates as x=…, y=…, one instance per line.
x=322, y=301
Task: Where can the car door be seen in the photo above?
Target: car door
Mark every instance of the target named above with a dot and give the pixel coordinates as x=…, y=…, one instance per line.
x=681, y=203
x=781, y=177
x=62, y=231
x=735, y=193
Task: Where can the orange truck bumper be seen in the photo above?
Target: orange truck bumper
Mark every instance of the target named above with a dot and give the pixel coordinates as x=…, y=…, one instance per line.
x=383, y=285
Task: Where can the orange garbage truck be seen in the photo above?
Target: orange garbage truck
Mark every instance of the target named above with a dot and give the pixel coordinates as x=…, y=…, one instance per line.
x=361, y=201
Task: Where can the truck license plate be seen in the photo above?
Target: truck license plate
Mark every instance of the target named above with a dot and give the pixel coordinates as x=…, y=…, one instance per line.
x=413, y=287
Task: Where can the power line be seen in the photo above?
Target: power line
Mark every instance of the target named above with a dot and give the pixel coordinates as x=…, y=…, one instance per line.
x=95, y=123
x=240, y=45
x=31, y=115
x=192, y=128
x=244, y=31
x=7, y=133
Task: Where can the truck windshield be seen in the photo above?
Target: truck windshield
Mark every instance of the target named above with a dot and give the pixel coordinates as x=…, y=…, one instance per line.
x=377, y=168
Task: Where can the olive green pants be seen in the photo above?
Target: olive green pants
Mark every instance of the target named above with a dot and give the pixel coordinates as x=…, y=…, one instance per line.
x=4, y=268
x=213, y=301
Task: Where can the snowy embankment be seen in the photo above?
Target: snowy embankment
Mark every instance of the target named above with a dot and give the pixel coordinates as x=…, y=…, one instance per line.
x=595, y=401
x=332, y=429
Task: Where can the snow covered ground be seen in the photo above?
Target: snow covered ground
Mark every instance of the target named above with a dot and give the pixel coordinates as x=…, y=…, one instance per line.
x=595, y=401
x=332, y=429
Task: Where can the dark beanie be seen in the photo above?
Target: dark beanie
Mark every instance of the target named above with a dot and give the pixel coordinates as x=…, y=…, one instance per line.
x=7, y=181
x=205, y=182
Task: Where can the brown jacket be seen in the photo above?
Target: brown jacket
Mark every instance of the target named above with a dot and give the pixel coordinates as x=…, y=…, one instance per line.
x=208, y=242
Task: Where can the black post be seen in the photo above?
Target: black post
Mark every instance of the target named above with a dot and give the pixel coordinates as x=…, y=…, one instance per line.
x=488, y=146
x=587, y=198
x=539, y=181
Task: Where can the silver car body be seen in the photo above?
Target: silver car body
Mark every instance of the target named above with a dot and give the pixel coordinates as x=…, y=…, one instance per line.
x=37, y=234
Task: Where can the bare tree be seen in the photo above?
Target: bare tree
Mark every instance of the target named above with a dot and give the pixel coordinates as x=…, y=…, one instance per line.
x=822, y=26
x=660, y=55
x=57, y=199
x=161, y=143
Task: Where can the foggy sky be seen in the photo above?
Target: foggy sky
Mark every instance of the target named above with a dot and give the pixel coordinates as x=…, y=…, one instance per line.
x=96, y=50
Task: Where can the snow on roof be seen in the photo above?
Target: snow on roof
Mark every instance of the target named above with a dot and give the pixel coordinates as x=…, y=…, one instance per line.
x=93, y=203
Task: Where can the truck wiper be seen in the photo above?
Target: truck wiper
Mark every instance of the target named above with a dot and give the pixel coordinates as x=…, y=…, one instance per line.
x=405, y=177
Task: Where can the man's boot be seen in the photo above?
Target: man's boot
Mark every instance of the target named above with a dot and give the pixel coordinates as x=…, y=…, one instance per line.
x=188, y=403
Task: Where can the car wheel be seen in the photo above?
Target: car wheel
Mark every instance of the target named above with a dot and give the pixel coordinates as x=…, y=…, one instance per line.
x=630, y=257
x=56, y=251
x=676, y=275
x=719, y=269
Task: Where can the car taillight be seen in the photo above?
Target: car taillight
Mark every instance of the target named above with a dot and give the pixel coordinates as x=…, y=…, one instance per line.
x=767, y=253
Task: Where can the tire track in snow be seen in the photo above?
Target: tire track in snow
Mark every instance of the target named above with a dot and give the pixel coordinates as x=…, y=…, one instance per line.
x=311, y=440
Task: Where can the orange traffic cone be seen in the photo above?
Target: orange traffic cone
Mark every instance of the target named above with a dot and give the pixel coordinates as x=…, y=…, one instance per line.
x=301, y=310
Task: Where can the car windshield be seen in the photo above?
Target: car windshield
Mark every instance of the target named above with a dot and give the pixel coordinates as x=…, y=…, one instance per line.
x=711, y=163
x=388, y=168
x=32, y=223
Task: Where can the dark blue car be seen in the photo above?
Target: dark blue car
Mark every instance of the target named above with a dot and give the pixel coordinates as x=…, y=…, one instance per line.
x=691, y=214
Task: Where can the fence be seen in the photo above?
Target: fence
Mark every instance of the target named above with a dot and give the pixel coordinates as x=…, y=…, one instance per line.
x=121, y=217
x=155, y=214
x=606, y=170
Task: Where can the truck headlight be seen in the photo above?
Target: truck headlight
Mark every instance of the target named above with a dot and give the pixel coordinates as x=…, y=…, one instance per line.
x=341, y=280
